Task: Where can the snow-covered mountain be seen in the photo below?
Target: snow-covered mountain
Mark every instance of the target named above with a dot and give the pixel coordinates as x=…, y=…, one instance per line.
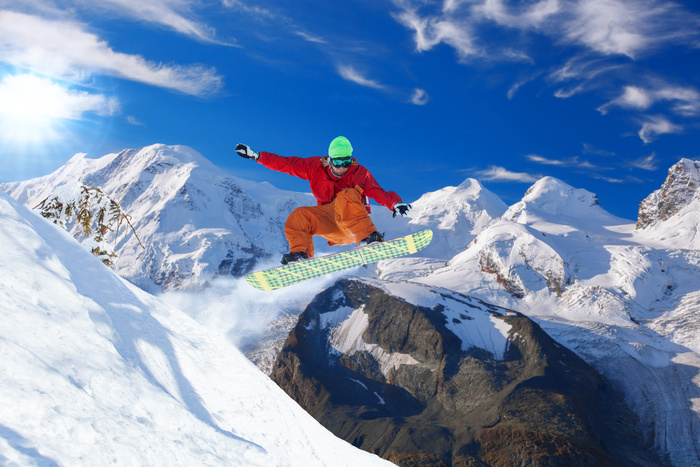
x=95, y=371
x=623, y=296
x=195, y=221
x=613, y=294
x=456, y=215
x=198, y=222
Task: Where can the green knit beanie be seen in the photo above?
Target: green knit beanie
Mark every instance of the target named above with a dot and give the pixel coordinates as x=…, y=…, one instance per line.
x=340, y=147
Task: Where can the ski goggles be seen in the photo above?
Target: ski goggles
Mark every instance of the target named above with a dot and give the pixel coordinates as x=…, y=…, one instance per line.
x=341, y=161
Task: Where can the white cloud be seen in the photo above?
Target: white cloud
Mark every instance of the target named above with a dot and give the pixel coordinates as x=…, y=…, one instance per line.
x=432, y=30
x=419, y=97
x=495, y=173
x=654, y=126
x=529, y=16
x=635, y=97
x=169, y=13
x=685, y=100
x=64, y=49
x=620, y=27
x=349, y=73
x=629, y=27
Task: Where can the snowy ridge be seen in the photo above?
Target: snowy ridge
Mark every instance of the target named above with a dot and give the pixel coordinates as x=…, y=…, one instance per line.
x=456, y=215
x=107, y=374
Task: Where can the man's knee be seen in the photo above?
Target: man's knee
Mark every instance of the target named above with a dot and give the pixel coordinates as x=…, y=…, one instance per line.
x=297, y=220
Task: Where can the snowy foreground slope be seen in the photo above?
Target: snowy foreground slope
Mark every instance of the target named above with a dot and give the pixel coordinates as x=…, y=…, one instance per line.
x=95, y=371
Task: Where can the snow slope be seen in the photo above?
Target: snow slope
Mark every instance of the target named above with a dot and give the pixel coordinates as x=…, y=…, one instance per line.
x=95, y=371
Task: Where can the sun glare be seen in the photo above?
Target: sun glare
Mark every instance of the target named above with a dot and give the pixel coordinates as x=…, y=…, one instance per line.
x=35, y=110
x=30, y=109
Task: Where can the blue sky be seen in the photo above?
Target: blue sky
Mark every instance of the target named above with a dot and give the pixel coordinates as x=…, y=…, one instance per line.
x=602, y=94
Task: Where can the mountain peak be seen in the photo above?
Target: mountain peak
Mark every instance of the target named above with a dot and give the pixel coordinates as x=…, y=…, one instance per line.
x=471, y=185
x=552, y=196
x=456, y=215
x=678, y=190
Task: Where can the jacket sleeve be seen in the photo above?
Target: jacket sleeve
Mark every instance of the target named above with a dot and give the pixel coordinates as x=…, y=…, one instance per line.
x=297, y=166
x=377, y=193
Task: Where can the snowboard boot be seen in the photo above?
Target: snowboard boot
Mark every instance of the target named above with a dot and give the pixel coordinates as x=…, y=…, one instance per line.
x=294, y=257
x=374, y=237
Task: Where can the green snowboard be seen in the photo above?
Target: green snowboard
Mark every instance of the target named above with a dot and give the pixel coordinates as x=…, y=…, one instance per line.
x=282, y=276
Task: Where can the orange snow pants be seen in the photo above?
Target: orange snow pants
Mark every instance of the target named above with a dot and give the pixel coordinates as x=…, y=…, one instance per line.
x=342, y=221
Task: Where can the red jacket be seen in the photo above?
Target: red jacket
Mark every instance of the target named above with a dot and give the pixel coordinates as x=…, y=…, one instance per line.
x=325, y=185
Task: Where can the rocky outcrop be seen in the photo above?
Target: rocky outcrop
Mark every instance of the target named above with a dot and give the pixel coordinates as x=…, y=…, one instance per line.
x=678, y=191
x=449, y=380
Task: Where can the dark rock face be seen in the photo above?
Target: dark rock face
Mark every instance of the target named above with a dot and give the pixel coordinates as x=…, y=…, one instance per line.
x=454, y=381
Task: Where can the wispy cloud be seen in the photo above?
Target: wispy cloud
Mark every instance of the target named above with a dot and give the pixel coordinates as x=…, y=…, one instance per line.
x=574, y=161
x=620, y=27
x=431, y=30
x=685, y=100
x=591, y=149
x=133, y=121
x=653, y=126
x=605, y=38
x=650, y=163
x=515, y=87
x=582, y=73
x=351, y=74
x=501, y=174
x=173, y=14
x=64, y=49
x=628, y=27
x=310, y=38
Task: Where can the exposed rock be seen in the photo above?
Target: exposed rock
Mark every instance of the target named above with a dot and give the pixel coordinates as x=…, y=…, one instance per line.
x=678, y=191
x=450, y=381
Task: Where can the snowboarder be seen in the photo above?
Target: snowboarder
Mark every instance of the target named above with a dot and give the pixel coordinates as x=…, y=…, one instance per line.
x=341, y=187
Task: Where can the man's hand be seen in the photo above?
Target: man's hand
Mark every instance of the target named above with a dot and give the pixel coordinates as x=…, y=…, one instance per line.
x=401, y=208
x=244, y=150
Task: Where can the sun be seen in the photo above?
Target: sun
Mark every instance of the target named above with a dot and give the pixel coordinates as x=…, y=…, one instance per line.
x=31, y=109
x=36, y=110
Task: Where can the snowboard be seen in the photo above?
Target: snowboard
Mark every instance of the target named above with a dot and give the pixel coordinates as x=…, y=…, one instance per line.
x=293, y=273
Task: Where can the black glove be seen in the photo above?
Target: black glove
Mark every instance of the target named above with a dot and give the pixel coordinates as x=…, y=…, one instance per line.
x=244, y=150
x=401, y=208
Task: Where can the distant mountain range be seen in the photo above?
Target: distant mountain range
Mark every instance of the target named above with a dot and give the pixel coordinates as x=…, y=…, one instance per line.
x=623, y=295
